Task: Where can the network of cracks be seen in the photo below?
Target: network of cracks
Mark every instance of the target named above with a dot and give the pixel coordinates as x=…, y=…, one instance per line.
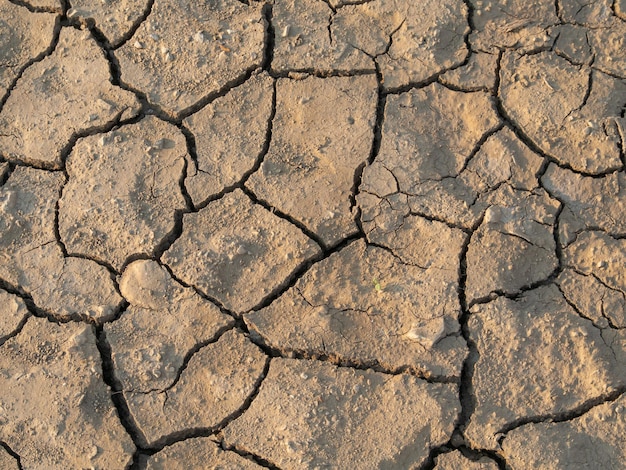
x=312, y=234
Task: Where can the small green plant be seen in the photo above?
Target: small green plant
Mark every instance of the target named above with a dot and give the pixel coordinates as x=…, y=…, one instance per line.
x=377, y=286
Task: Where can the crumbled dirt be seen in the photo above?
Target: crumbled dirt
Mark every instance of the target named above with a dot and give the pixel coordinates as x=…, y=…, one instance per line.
x=306, y=234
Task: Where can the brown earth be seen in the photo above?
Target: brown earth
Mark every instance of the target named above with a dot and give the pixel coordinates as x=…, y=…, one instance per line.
x=306, y=234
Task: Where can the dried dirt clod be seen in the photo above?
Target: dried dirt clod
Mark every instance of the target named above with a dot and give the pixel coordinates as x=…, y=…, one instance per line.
x=429, y=133
x=189, y=50
x=215, y=384
x=31, y=258
x=303, y=40
x=593, y=299
x=430, y=40
x=365, y=305
x=18, y=44
x=114, y=19
x=457, y=461
x=572, y=113
x=310, y=414
x=478, y=74
x=322, y=133
x=506, y=24
x=13, y=311
x=519, y=226
x=573, y=43
x=598, y=253
x=428, y=136
x=593, y=440
x=559, y=359
x=160, y=327
x=237, y=252
x=55, y=406
x=590, y=14
x=200, y=452
x=123, y=191
x=608, y=45
x=66, y=93
x=589, y=202
x=230, y=135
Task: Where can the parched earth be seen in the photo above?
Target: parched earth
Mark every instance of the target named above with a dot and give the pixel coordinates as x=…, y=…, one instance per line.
x=308, y=234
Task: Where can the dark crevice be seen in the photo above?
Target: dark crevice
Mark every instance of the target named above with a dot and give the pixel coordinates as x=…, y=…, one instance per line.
x=268, y=52
x=466, y=389
x=6, y=173
x=298, y=74
x=56, y=32
x=168, y=240
x=16, y=331
x=191, y=353
x=260, y=461
x=257, y=164
x=472, y=455
x=39, y=312
x=44, y=9
x=12, y=453
x=381, y=102
x=521, y=135
x=278, y=213
x=136, y=24
x=117, y=396
x=301, y=270
x=344, y=362
x=559, y=417
x=479, y=145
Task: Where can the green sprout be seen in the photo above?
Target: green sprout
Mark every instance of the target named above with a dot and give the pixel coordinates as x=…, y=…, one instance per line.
x=377, y=285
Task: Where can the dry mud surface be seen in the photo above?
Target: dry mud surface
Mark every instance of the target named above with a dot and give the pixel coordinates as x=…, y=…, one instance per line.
x=311, y=234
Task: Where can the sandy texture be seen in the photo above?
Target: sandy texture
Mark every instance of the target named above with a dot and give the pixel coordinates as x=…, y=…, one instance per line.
x=129, y=207
x=187, y=50
x=307, y=234
x=323, y=415
x=237, y=251
x=56, y=411
x=67, y=93
x=312, y=153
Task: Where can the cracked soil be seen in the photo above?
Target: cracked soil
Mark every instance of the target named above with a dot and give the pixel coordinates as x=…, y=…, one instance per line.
x=310, y=234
